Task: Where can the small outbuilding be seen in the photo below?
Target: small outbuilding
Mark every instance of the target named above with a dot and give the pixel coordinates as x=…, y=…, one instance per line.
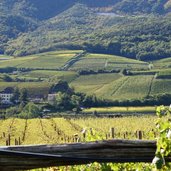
x=6, y=95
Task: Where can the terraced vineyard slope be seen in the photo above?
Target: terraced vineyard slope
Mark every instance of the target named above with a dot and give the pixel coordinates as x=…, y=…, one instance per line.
x=99, y=74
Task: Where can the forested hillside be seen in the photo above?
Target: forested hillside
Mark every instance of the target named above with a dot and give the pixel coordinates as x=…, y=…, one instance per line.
x=136, y=29
x=44, y=9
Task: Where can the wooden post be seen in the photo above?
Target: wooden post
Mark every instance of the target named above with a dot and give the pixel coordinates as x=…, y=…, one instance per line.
x=6, y=142
x=55, y=127
x=140, y=135
x=3, y=134
x=91, y=131
x=76, y=137
x=106, y=136
x=16, y=142
x=73, y=139
x=136, y=134
x=112, y=130
x=9, y=139
x=19, y=141
x=84, y=133
x=68, y=139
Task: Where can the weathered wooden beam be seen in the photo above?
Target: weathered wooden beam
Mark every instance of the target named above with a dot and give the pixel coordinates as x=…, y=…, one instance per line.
x=118, y=151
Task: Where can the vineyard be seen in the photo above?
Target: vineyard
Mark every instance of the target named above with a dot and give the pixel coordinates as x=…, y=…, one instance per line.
x=70, y=131
x=47, y=75
x=34, y=88
x=92, y=83
x=164, y=74
x=63, y=130
x=163, y=63
x=162, y=86
x=118, y=87
x=49, y=60
x=45, y=69
x=101, y=61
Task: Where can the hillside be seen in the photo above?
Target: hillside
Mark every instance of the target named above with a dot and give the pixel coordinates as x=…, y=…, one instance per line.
x=142, y=37
x=134, y=29
x=93, y=74
x=44, y=9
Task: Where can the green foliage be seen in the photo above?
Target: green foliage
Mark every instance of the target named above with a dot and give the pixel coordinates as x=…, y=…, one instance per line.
x=30, y=111
x=65, y=98
x=78, y=27
x=16, y=95
x=7, y=78
x=23, y=97
x=163, y=126
x=61, y=86
x=11, y=112
x=62, y=101
x=164, y=74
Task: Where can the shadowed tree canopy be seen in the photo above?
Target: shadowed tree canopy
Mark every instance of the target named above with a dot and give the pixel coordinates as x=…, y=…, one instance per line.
x=61, y=86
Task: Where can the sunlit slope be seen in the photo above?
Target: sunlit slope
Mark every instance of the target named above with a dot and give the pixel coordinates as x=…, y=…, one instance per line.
x=123, y=87
x=49, y=60
x=91, y=83
x=103, y=61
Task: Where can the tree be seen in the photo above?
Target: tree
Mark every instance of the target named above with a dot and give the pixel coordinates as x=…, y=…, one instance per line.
x=11, y=112
x=62, y=101
x=23, y=96
x=75, y=100
x=7, y=78
x=0, y=100
x=31, y=111
x=114, y=48
x=16, y=95
x=61, y=86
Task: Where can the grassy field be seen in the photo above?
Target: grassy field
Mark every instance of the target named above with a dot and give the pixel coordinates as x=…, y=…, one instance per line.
x=103, y=61
x=121, y=110
x=34, y=88
x=118, y=87
x=164, y=74
x=161, y=86
x=49, y=60
x=48, y=75
x=163, y=63
x=3, y=85
x=91, y=83
x=56, y=130
x=108, y=86
x=5, y=57
x=134, y=87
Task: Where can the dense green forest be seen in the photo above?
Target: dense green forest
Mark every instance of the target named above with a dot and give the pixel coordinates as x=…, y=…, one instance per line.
x=135, y=29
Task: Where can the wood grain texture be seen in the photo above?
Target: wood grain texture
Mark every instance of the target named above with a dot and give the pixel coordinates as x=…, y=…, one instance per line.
x=118, y=151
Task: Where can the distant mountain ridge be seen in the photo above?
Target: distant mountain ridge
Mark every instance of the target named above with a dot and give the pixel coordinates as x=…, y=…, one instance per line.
x=140, y=30
x=45, y=9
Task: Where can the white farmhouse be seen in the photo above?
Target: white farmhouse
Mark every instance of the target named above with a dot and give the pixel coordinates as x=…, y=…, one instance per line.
x=51, y=98
x=6, y=95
